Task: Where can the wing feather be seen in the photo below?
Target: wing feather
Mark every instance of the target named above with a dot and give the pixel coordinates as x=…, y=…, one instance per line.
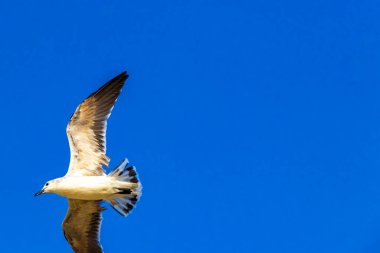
x=81, y=226
x=86, y=129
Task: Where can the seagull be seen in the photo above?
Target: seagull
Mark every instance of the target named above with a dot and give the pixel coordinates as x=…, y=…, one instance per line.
x=86, y=184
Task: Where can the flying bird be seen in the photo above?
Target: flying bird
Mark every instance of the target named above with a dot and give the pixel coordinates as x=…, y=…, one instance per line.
x=86, y=184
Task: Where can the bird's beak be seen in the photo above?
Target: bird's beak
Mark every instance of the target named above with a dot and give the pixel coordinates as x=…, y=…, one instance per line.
x=40, y=192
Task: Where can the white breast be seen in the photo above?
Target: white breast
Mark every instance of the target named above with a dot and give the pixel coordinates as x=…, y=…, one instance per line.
x=87, y=187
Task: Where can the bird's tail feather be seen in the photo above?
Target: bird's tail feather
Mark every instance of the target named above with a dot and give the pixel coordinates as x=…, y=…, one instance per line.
x=129, y=188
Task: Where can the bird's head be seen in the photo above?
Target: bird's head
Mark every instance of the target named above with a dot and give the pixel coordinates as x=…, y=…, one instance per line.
x=48, y=187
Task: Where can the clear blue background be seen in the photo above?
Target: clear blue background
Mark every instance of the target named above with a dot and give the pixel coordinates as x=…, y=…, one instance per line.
x=254, y=125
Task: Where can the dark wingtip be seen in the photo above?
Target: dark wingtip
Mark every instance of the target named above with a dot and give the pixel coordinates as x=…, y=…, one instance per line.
x=120, y=78
x=123, y=75
x=117, y=81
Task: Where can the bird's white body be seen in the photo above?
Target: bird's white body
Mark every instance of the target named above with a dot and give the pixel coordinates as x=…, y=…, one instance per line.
x=90, y=187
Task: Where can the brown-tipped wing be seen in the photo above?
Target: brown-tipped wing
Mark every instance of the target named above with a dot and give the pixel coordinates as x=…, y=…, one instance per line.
x=86, y=130
x=81, y=226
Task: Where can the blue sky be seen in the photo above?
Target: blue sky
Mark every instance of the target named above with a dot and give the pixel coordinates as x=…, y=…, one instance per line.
x=254, y=125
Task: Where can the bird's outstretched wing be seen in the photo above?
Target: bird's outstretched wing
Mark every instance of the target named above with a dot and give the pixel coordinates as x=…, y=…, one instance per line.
x=81, y=226
x=86, y=129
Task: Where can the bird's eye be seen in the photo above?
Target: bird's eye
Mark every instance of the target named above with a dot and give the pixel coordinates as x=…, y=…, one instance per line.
x=46, y=184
